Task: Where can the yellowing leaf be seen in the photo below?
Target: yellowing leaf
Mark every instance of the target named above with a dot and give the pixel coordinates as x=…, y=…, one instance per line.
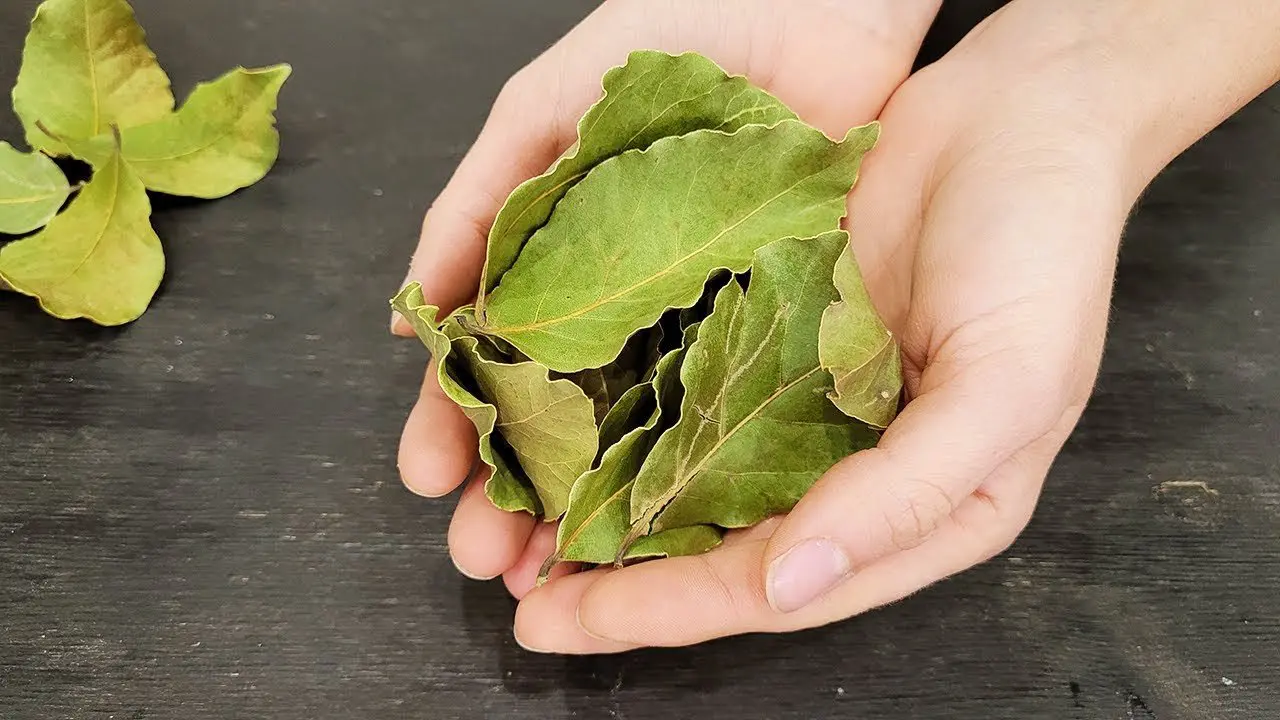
x=32, y=190
x=755, y=428
x=859, y=351
x=99, y=259
x=599, y=506
x=506, y=486
x=626, y=414
x=221, y=140
x=654, y=95
x=85, y=68
x=644, y=230
x=550, y=424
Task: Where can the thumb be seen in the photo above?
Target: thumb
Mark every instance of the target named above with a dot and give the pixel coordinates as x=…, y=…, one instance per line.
x=890, y=498
x=521, y=137
x=1008, y=333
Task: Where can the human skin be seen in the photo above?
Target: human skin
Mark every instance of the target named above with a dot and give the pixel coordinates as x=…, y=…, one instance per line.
x=986, y=224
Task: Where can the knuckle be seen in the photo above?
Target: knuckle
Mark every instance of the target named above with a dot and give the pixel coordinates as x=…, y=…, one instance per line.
x=514, y=93
x=916, y=509
x=720, y=590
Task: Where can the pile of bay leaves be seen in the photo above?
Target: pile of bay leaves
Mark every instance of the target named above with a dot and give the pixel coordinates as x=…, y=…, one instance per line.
x=671, y=337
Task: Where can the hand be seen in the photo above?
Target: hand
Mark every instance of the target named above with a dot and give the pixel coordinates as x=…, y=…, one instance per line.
x=835, y=62
x=987, y=224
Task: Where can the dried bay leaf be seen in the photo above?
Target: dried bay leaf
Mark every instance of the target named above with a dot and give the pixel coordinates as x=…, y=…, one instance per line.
x=859, y=351
x=599, y=514
x=654, y=95
x=549, y=424
x=99, y=259
x=222, y=139
x=630, y=412
x=85, y=68
x=506, y=487
x=612, y=260
x=755, y=429
x=32, y=190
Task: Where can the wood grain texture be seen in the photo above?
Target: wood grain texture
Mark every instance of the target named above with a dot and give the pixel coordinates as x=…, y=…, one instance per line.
x=200, y=514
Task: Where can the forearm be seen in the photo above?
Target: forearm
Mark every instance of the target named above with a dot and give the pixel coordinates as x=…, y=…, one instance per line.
x=1144, y=78
x=1172, y=70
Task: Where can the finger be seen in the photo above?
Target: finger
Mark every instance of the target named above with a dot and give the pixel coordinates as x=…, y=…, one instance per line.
x=485, y=541
x=1013, y=293
x=438, y=444
x=547, y=619
x=688, y=600
x=892, y=497
x=522, y=576
x=520, y=139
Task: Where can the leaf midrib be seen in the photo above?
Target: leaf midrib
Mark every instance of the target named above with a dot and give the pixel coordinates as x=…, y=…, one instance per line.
x=111, y=213
x=679, y=486
x=537, y=325
x=30, y=199
x=93, y=72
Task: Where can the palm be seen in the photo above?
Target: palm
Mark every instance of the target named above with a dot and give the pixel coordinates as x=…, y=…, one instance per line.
x=985, y=241
x=801, y=52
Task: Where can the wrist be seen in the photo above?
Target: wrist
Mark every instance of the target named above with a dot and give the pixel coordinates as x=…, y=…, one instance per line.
x=1132, y=82
x=1159, y=76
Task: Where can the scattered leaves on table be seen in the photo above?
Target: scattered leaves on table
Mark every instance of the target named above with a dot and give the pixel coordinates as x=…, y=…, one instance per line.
x=104, y=238
x=32, y=190
x=671, y=329
x=91, y=89
x=221, y=140
x=85, y=68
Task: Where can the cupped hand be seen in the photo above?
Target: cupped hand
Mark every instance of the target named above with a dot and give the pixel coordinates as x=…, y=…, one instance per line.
x=834, y=62
x=987, y=224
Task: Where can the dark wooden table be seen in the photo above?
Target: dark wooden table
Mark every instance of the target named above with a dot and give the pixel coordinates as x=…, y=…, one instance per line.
x=200, y=515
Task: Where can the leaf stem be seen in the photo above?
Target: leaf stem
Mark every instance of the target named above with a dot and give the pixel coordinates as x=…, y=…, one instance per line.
x=635, y=533
x=545, y=571
x=45, y=129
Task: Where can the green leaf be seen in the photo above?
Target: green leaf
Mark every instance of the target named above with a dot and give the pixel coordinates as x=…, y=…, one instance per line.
x=99, y=259
x=599, y=506
x=223, y=139
x=755, y=428
x=627, y=414
x=506, y=487
x=859, y=351
x=32, y=190
x=654, y=95
x=612, y=260
x=85, y=68
x=549, y=424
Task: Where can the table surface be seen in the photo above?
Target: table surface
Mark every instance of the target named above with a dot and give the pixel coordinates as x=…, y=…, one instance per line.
x=200, y=514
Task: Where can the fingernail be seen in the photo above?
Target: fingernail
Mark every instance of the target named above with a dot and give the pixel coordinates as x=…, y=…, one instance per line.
x=527, y=647
x=805, y=573
x=398, y=325
x=469, y=575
